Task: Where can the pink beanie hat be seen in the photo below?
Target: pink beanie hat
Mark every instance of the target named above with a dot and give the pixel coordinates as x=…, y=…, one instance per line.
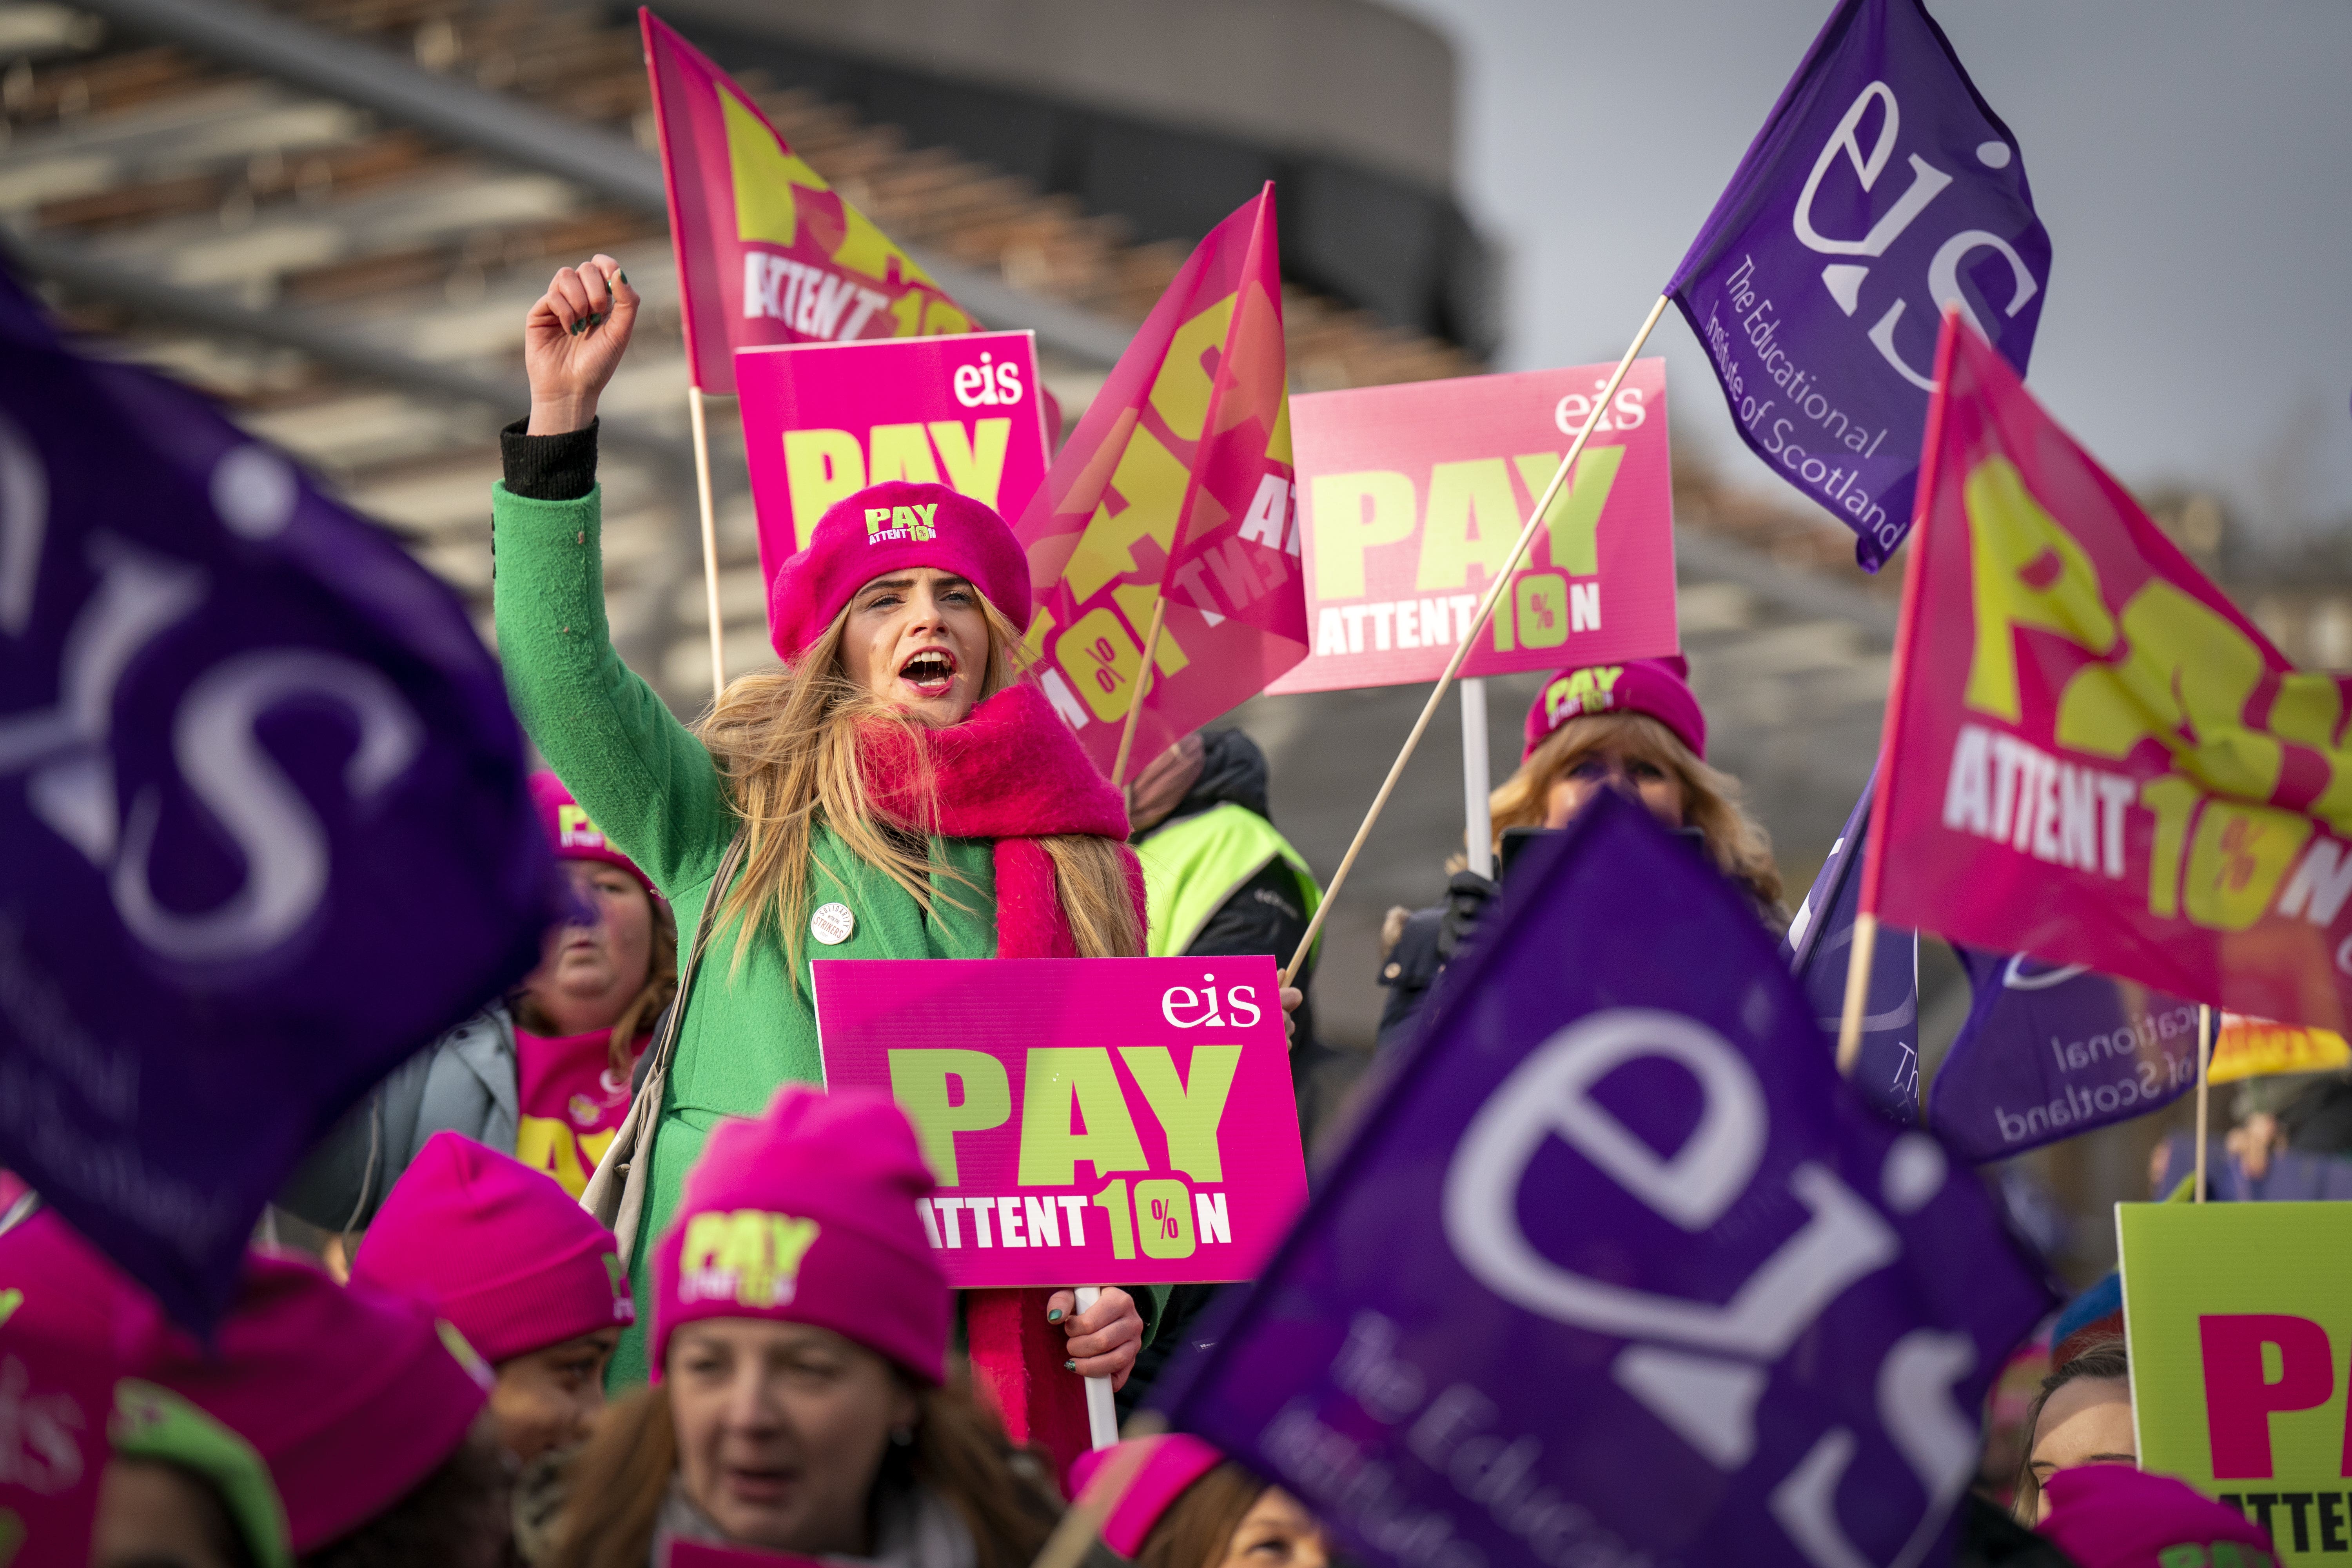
x=569, y=831
x=1658, y=687
x=351, y=1396
x=69, y=1326
x=889, y=528
x=2112, y=1515
x=806, y=1215
x=497, y=1248
x=1171, y=1462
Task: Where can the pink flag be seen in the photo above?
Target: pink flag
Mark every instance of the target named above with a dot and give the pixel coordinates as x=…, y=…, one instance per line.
x=2090, y=756
x=767, y=251
x=1178, y=481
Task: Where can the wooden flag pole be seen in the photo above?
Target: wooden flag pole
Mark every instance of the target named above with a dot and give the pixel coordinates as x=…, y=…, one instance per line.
x=710, y=538
x=1462, y=650
x=1859, y=959
x=1142, y=687
x=2204, y=1057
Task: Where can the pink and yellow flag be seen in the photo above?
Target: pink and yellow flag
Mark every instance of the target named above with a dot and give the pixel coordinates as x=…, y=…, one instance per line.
x=2092, y=755
x=1178, y=481
x=767, y=251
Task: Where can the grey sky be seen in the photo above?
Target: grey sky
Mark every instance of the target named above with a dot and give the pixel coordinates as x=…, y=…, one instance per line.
x=2192, y=163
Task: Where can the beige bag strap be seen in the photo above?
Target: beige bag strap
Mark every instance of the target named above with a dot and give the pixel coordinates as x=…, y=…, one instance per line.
x=616, y=1193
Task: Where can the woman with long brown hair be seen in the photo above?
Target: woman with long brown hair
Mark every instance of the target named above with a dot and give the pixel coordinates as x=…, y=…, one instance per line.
x=898, y=787
x=1633, y=727
x=801, y=1400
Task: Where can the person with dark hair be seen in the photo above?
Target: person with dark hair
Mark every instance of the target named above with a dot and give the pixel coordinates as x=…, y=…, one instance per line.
x=1636, y=728
x=2082, y=1416
x=336, y=1427
x=1188, y=1506
x=543, y=1076
x=801, y=1400
x=525, y=1273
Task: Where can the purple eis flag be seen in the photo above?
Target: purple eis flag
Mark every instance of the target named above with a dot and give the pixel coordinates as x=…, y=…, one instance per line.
x=1616, y=1270
x=1882, y=188
x=264, y=808
x=2049, y=1052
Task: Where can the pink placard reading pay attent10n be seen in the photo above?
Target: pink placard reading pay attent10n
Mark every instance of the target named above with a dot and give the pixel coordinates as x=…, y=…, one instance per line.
x=1094, y=1120
x=822, y=421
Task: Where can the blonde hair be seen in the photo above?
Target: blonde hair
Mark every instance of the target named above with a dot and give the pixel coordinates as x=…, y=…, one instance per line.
x=787, y=742
x=1734, y=840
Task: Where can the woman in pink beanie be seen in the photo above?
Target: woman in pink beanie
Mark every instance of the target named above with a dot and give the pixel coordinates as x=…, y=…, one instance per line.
x=542, y=1076
x=520, y=1269
x=1188, y=1506
x=896, y=787
x=1635, y=727
x=802, y=1401
x=365, y=1411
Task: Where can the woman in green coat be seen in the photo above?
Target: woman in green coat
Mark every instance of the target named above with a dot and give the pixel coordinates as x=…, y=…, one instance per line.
x=901, y=791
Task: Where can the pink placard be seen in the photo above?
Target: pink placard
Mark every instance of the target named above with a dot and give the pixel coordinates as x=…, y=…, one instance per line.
x=822, y=421
x=1091, y=1121
x=1410, y=497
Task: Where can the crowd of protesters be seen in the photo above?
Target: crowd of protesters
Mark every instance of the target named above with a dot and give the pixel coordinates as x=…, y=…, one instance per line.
x=744, y=1340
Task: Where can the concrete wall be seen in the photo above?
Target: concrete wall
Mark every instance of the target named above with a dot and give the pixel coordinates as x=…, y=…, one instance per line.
x=1348, y=77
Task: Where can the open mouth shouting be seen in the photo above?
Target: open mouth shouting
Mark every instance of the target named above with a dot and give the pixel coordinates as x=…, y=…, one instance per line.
x=929, y=671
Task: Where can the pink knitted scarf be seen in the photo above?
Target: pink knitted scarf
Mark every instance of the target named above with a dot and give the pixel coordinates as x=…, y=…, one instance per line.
x=1012, y=772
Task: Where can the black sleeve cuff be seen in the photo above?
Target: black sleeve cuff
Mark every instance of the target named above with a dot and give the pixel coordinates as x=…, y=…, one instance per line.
x=549, y=467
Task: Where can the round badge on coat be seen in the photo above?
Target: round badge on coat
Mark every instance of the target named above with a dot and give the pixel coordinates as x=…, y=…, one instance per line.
x=831, y=923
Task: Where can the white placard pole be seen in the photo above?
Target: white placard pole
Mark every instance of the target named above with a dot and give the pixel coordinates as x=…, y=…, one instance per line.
x=1475, y=785
x=1102, y=1415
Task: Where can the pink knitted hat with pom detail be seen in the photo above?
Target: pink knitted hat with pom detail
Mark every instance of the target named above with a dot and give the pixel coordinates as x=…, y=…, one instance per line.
x=352, y=1396
x=806, y=1215
x=498, y=1248
x=1659, y=687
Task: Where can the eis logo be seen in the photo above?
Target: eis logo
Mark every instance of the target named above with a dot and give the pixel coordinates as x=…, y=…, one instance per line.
x=989, y=383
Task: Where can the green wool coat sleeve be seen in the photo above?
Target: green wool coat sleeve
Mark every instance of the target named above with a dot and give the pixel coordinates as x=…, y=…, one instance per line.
x=647, y=783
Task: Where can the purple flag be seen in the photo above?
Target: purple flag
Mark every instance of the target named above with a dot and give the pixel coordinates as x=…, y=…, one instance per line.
x=1882, y=188
x=1616, y=1270
x=1819, y=950
x=264, y=808
x=2048, y=1053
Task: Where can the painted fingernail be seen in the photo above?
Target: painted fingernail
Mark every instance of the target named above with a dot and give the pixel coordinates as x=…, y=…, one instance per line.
x=624, y=278
x=1054, y=1316
x=576, y=326
x=1069, y=1366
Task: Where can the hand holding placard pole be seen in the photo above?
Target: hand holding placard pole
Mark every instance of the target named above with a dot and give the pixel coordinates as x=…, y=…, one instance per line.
x=1102, y=1414
x=1494, y=590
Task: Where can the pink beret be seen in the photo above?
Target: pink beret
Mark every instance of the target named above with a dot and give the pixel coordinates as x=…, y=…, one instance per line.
x=889, y=528
x=1658, y=687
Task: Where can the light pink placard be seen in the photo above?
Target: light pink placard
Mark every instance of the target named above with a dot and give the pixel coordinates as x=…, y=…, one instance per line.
x=822, y=421
x=1407, y=493
x=1092, y=1121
